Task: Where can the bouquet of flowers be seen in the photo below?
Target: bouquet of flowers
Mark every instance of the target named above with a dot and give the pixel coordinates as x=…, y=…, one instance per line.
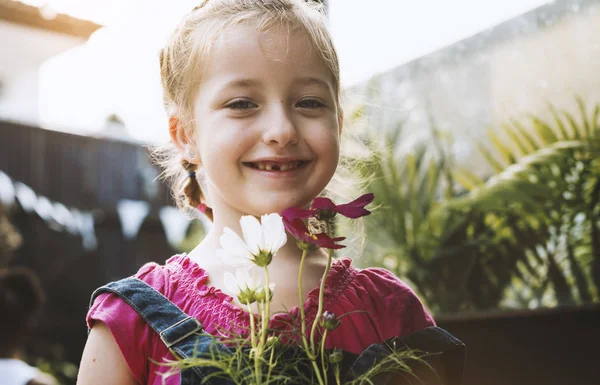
x=265, y=356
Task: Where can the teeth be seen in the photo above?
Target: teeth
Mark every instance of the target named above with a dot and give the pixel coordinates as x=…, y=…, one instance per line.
x=270, y=166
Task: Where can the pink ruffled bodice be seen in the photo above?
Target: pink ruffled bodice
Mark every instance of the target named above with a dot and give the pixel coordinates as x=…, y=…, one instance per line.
x=390, y=308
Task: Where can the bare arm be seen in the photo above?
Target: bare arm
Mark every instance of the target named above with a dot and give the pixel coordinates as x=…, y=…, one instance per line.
x=102, y=362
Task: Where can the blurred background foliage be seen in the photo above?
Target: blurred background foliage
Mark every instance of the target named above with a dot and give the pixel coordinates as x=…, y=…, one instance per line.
x=527, y=235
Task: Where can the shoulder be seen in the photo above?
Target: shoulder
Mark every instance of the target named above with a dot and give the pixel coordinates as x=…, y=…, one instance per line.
x=165, y=278
x=393, y=301
x=130, y=332
x=382, y=283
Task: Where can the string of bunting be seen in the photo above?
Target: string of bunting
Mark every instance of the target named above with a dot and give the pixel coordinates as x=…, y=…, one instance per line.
x=131, y=214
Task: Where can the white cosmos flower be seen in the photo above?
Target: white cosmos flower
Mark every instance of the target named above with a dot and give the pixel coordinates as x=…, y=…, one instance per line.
x=261, y=241
x=245, y=285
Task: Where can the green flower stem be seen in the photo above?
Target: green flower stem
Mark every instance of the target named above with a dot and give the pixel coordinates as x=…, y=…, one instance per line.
x=267, y=311
x=252, y=330
x=301, y=304
x=336, y=370
x=309, y=353
x=270, y=365
x=321, y=293
x=323, y=356
x=253, y=343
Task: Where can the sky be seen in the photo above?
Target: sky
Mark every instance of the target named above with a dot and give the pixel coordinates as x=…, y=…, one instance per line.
x=121, y=68
x=393, y=32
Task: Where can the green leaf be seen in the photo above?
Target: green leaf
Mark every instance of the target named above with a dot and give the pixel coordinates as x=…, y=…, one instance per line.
x=502, y=149
x=517, y=140
x=525, y=134
x=544, y=131
x=587, y=127
x=578, y=133
x=559, y=123
x=497, y=166
x=467, y=179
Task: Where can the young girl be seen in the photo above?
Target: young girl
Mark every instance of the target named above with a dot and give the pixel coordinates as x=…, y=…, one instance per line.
x=253, y=92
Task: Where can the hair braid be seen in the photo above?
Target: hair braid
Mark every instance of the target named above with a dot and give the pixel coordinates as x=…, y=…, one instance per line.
x=193, y=191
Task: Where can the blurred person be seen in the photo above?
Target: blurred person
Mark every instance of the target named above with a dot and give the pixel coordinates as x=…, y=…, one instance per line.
x=21, y=297
x=10, y=239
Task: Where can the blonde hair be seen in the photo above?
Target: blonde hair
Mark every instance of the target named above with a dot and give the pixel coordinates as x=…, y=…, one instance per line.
x=184, y=58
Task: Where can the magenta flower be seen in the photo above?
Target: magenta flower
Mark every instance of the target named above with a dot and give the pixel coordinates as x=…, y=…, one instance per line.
x=297, y=228
x=324, y=208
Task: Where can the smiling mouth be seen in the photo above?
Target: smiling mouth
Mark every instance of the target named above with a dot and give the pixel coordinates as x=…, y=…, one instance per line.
x=276, y=166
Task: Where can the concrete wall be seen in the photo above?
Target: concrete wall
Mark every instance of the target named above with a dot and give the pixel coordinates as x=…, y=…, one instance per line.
x=23, y=51
x=549, y=54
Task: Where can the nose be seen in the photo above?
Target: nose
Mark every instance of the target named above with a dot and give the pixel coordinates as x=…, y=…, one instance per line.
x=279, y=127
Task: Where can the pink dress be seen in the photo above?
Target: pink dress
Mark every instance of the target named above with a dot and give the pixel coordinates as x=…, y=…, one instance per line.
x=392, y=309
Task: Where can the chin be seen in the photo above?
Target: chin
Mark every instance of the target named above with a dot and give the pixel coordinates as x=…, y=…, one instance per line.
x=277, y=205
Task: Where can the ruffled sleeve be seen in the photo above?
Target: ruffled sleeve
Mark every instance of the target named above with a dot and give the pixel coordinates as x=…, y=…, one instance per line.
x=386, y=306
x=131, y=333
x=399, y=311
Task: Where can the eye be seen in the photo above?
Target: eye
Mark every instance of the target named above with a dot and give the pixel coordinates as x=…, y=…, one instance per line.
x=241, y=105
x=310, y=103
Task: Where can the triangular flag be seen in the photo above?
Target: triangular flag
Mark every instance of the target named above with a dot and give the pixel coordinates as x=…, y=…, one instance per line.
x=26, y=197
x=174, y=224
x=7, y=190
x=132, y=215
x=85, y=227
x=64, y=217
x=43, y=208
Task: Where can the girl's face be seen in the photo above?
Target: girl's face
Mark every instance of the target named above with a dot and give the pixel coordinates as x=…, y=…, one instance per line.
x=267, y=126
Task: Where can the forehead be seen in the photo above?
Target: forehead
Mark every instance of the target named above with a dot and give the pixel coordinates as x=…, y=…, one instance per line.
x=247, y=52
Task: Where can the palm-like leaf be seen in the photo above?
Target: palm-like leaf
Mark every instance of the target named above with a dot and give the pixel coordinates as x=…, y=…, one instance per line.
x=528, y=233
x=550, y=180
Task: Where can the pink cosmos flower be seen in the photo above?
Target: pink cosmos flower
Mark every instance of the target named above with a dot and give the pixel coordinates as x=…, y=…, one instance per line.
x=297, y=228
x=325, y=208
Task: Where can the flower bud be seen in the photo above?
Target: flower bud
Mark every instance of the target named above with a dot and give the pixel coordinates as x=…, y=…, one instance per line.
x=261, y=295
x=274, y=341
x=336, y=357
x=263, y=258
x=329, y=321
x=247, y=296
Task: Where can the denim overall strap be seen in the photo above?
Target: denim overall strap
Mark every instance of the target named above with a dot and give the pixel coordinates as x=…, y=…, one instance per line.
x=429, y=340
x=182, y=334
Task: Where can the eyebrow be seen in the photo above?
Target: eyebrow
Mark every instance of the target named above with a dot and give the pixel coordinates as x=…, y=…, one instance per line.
x=242, y=83
x=249, y=82
x=310, y=80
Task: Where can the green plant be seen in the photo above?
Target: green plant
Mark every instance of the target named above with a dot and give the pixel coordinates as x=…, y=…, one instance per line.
x=526, y=236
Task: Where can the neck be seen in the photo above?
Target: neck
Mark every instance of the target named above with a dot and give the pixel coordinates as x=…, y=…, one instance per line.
x=289, y=255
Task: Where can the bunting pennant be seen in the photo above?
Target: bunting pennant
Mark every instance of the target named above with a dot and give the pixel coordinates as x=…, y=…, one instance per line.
x=132, y=215
x=61, y=218
x=84, y=222
x=174, y=224
x=26, y=197
x=55, y=214
x=7, y=190
x=44, y=209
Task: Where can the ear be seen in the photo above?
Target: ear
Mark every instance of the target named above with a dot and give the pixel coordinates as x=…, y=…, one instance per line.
x=184, y=144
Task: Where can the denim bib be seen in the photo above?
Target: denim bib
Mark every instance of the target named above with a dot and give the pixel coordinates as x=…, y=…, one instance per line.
x=184, y=336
